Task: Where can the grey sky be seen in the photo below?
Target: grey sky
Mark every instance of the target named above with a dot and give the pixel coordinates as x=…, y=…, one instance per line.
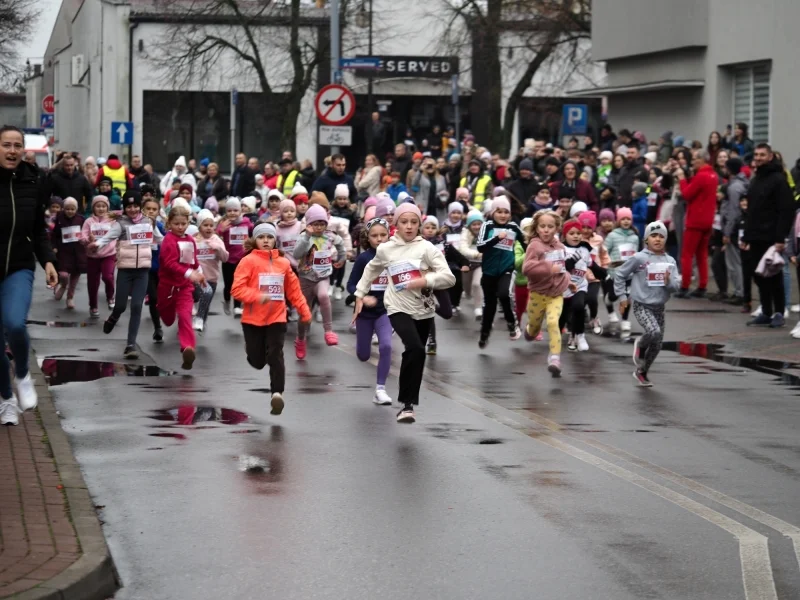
x=38, y=43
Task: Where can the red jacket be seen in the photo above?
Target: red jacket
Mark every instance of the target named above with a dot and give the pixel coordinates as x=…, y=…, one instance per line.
x=177, y=256
x=700, y=194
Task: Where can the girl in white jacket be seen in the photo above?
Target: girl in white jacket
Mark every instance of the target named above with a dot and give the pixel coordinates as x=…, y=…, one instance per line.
x=415, y=268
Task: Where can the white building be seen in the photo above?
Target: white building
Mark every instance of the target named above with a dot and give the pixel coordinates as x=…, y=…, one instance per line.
x=100, y=67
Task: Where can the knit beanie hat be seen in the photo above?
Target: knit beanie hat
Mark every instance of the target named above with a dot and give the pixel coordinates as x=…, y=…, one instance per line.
x=342, y=191
x=286, y=204
x=56, y=200
x=500, y=202
x=526, y=164
x=569, y=225
x=383, y=196
x=454, y=207
x=186, y=186
x=639, y=189
x=70, y=202
x=298, y=189
x=265, y=229
x=385, y=207
x=371, y=201
x=204, y=215
x=320, y=199
x=131, y=198
x=431, y=219
x=404, y=197
x=182, y=203
x=462, y=192
x=98, y=199
x=369, y=214
x=405, y=209
x=474, y=215
x=233, y=204
x=276, y=194
x=606, y=155
x=212, y=204
x=578, y=207
x=316, y=213
x=624, y=212
x=249, y=204
x=498, y=191
x=588, y=219
x=607, y=215
x=300, y=199
x=655, y=227
x=487, y=207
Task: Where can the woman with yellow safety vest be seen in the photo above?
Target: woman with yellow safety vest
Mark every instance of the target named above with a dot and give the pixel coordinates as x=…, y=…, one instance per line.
x=478, y=183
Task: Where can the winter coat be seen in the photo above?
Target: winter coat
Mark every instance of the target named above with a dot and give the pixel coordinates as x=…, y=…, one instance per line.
x=731, y=212
x=538, y=267
x=243, y=182
x=700, y=194
x=621, y=245
x=370, y=182
x=422, y=183
x=235, y=249
x=327, y=182
x=66, y=238
x=131, y=255
x=97, y=228
x=639, y=209
x=377, y=289
x=23, y=231
x=628, y=175
x=523, y=190
x=210, y=253
x=498, y=255
x=71, y=186
x=312, y=264
x=647, y=287
x=580, y=191
x=166, y=181
x=770, y=207
x=599, y=255
x=217, y=188
x=288, y=235
x=177, y=259
x=266, y=272
x=469, y=248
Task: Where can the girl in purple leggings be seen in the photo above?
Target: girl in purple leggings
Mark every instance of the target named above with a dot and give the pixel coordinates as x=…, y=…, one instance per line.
x=373, y=318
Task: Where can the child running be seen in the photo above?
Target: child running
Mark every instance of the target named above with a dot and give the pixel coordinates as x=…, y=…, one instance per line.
x=179, y=271
x=100, y=264
x=588, y=221
x=654, y=276
x=135, y=234
x=451, y=230
x=152, y=209
x=373, y=318
x=468, y=246
x=496, y=244
x=622, y=243
x=70, y=252
x=545, y=268
x=318, y=251
x=262, y=282
x=521, y=293
x=415, y=268
x=211, y=253
x=234, y=229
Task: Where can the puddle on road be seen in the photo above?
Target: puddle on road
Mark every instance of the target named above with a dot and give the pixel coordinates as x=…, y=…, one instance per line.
x=65, y=369
x=189, y=414
x=61, y=324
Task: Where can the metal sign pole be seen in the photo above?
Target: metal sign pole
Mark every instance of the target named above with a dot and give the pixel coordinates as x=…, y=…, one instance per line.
x=335, y=49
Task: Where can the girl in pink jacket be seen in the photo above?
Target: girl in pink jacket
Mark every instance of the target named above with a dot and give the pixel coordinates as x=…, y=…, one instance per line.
x=210, y=253
x=289, y=230
x=234, y=229
x=100, y=262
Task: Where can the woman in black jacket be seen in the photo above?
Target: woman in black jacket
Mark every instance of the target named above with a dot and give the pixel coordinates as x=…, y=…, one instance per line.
x=213, y=184
x=23, y=235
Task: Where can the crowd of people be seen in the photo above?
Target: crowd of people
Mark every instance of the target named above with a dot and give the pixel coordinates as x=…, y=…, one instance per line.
x=546, y=234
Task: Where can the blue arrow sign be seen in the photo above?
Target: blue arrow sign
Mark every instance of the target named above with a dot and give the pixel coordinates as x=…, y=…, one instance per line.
x=122, y=132
x=47, y=121
x=361, y=62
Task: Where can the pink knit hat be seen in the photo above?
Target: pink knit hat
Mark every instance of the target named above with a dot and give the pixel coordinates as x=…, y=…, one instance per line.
x=371, y=201
x=316, y=213
x=405, y=209
x=287, y=204
x=369, y=214
x=100, y=198
x=624, y=212
x=462, y=192
x=588, y=219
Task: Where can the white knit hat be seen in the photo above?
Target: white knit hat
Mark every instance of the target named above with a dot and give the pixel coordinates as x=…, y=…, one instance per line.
x=431, y=219
x=249, y=203
x=204, y=215
x=298, y=189
x=233, y=203
x=342, y=191
x=655, y=227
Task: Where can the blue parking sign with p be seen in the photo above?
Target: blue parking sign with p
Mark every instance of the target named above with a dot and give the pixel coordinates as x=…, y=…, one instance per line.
x=575, y=119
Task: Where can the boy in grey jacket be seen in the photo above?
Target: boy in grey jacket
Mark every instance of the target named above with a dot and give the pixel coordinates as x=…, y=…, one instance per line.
x=654, y=277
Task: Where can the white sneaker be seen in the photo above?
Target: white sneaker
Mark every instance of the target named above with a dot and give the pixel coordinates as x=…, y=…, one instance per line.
x=9, y=412
x=795, y=333
x=613, y=318
x=786, y=313
x=319, y=316
x=237, y=312
x=479, y=313
x=381, y=397
x=337, y=294
x=583, y=345
x=197, y=324
x=626, y=326
x=375, y=340
x=597, y=327
x=226, y=307
x=26, y=393
x=795, y=308
x=757, y=312
x=330, y=292
x=194, y=309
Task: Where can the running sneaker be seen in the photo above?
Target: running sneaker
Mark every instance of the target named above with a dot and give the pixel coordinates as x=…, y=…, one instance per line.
x=757, y=312
x=636, y=354
x=111, y=304
x=276, y=403
x=478, y=313
x=300, y=348
x=760, y=320
x=625, y=326
x=375, y=340
x=70, y=303
x=456, y=310
x=130, y=352
x=26, y=393
x=94, y=313
x=237, y=312
x=337, y=293
x=539, y=337
x=188, y=358
x=583, y=345
x=194, y=309
x=406, y=415
x=795, y=333
x=9, y=412
x=197, y=324
x=318, y=316
x=778, y=320
x=641, y=378
x=430, y=349
x=381, y=397
x=529, y=337
x=109, y=325
x=484, y=339
x=331, y=338
x=226, y=308
x=597, y=326
x=514, y=335
x=330, y=292
x=613, y=318
x=554, y=365
x=572, y=344
x=795, y=308
x=158, y=335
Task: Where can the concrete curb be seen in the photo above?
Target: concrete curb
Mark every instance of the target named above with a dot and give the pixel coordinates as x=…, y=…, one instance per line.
x=92, y=576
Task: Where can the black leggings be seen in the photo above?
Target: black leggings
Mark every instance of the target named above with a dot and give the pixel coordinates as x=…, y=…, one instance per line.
x=228, y=270
x=497, y=287
x=592, y=300
x=457, y=289
x=414, y=334
x=152, y=294
x=337, y=276
x=720, y=269
x=574, y=310
x=264, y=346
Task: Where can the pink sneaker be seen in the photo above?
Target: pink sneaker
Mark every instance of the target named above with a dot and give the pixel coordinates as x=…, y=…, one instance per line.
x=331, y=338
x=539, y=337
x=300, y=348
x=59, y=291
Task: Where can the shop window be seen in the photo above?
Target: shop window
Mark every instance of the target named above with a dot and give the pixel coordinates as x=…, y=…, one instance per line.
x=751, y=99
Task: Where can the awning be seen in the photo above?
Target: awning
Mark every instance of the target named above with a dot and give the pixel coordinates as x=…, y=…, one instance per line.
x=653, y=86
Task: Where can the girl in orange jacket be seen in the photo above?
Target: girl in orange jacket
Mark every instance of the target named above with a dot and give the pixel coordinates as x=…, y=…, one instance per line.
x=262, y=282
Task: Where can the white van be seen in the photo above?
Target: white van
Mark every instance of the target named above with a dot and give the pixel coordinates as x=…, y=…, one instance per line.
x=37, y=143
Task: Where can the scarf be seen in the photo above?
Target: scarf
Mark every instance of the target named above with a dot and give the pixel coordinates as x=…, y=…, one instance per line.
x=287, y=223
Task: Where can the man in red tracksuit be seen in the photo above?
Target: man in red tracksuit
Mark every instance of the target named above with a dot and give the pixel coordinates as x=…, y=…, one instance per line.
x=700, y=194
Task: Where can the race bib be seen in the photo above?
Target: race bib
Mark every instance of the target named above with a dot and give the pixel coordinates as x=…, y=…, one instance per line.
x=288, y=243
x=204, y=251
x=507, y=243
x=238, y=235
x=627, y=250
x=577, y=276
x=322, y=263
x=717, y=222
x=557, y=257
x=141, y=234
x=186, y=250
x=652, y=199
x=70, y=235
x=380, y=283
x=99, y=229
x=403, y=272
x=657, y=274
x=453, y=238
x=271, y=285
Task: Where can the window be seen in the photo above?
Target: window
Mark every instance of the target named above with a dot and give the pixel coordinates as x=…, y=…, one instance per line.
x=751, y=99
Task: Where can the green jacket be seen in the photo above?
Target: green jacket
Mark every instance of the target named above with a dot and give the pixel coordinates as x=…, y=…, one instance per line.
x=615, y=240
x=519, y=258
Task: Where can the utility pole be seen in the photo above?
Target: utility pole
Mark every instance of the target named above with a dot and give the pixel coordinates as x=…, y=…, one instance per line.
x=369, y=88
x=335, y=50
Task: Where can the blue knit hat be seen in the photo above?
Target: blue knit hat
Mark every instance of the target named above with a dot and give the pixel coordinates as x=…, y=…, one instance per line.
x=474, y=215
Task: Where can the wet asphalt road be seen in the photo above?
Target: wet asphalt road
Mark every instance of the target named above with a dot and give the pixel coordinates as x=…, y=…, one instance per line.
x=511, y=485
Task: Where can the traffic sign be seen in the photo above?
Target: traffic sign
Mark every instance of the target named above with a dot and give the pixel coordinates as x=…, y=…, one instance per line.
x=575, y=119
x=361, y=62
x=335, y=136
x=335, y=105
x=47, y=121
x=122, y=132
x=49, y=104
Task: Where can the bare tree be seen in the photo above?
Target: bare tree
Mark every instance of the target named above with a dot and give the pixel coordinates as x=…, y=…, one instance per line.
x=514, y=39
x=244, y=35
x=17, y=21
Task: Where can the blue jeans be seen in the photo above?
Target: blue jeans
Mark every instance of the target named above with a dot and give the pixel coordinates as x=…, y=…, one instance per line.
x=15, y=301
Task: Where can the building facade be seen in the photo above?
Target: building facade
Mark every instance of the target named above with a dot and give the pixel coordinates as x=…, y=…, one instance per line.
x=696, y=66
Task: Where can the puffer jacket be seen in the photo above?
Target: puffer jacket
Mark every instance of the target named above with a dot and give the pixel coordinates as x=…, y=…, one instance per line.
x=98, y=227
x=23, y=231
x=618, y=242
x=130, y=255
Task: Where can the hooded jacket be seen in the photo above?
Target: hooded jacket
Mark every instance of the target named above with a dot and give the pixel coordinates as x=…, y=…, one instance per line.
x=236, y=250
x=177, y=259
x=71, y=255
x=130, y=255
x=770, y=206
x=98, y=228
x=581, y=190
x=210, y=252
x=621, y=245
x=498, y=255
x=403, y=260
x=23, y=231
x=306, y=249
x=731, y=212
x=186, y=177
x=700, y=194
x=71, y=186
x=288, y=234
x=538, y=267
x=267, y=272
x=638, y=270
x=112, y=164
